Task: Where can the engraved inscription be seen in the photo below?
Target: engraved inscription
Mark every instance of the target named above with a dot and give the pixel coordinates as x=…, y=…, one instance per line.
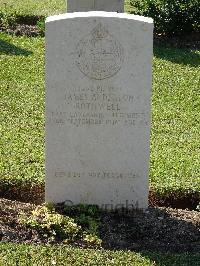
x=99, y=55
x=103, y=175
x=98, y=106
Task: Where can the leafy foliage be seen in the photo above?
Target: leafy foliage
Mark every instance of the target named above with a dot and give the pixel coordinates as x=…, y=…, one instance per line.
x=58, y=227
x=85, y=215
x=171, y=17
x=51, y=224
x=41, y=26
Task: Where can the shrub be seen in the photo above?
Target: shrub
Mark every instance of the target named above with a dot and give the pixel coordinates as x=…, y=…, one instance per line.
x=171, y=17
x=51, y=224
x=59, y=227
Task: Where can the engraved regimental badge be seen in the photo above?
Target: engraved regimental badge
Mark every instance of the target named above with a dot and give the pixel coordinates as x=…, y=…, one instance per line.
x=99, y=55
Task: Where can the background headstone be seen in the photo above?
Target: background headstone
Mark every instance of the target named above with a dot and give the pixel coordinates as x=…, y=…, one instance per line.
x=95, y=5
x=98, y=94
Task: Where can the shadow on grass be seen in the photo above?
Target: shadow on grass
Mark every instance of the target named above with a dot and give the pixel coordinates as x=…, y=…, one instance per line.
x=178, y=56
x=10, y=49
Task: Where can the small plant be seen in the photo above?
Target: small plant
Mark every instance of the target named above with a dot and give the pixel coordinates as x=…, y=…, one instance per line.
x=85, y=215
x=92, y=239
x=41, y=27
x=51, y=224
x=90, y=223
x=59, y=227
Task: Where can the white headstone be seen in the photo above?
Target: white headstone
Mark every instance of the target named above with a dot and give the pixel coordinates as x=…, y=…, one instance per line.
x=95, y=5
x=98, y=94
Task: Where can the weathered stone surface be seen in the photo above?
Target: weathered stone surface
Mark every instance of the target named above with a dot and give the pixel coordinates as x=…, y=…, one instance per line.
x=95, y=5
x=98, y=91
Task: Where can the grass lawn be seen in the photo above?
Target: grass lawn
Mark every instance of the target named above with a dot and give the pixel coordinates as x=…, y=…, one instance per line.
x=34, y=7
x=22, y=108
x=175, y=150
x=175, y=154
x=13, y=254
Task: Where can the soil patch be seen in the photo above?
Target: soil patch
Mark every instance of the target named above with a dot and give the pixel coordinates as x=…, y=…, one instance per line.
x=190, y=41
x=10, y=229
x=27, y=192
x=23, y=30
x=156, y=229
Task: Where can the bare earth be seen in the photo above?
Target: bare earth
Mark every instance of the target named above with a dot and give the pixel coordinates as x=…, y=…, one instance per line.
x=157, y=229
